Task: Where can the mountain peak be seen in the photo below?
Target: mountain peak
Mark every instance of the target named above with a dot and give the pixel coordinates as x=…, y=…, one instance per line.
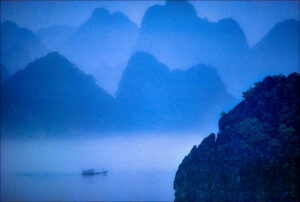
x=145, y=62
x=100, y=12
x=9, y=24
x=181, y=7
x=229, y=22
x=57, y=97
x=19, y=46
x=142, y=55
x=283, y=36
x=54, y=54
x=100, y=15
x=233, y=30
x=290, y=21
x=12, y=27
x=54, y=57
x=180, y=4
x=51, y=64
x=288, y=25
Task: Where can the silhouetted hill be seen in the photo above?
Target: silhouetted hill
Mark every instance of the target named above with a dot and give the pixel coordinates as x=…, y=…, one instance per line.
x=143, y=92
x=19, y=46
x=101, y=46
x=255, y=156
x=278, y=51
x=150, y=96
x=179, y=38
x=53, y=36
x=4, y=73
x=52, y=95
x=284, y=36
x=174, y=15
x=198, y=96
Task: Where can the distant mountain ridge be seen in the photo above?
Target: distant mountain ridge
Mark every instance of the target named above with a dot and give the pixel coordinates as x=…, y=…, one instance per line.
x=152, y=96
x=179, y=38
x=106, y=41
x=177, y=20
x=171, y=36
x=51, y=95
x=279, y=50
x=19, y=46
x=175, y=35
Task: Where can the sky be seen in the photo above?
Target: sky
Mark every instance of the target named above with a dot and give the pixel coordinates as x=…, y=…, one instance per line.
x=255, y=17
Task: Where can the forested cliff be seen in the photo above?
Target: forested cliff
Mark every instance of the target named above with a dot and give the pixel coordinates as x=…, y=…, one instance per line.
x=255, y=155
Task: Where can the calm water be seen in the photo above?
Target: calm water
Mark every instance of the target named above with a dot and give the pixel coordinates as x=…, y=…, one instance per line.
x=139, y=168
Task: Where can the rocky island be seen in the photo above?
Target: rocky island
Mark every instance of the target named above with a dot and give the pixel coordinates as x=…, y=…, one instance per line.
x=255, y=155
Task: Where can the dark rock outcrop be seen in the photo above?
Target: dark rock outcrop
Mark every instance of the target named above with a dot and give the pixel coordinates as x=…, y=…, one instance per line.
x=255, y=156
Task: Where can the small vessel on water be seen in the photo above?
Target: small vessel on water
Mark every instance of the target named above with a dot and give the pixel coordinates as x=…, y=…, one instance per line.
x=92, y=172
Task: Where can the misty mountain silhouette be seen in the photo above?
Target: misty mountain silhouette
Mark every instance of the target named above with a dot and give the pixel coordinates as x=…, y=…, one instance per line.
x=151, y=96
x=53, y=36
x=143, y=92
x=162, y=86
x=174, y=29
x=278, y=51
x=180, y=39
x=198, y=96
x=4, y=73
x=52, y=95
x=177, y=37
x=102, y=45
x=19, y=46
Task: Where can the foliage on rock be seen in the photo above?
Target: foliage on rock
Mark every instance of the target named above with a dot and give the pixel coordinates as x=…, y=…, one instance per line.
x=256, y=153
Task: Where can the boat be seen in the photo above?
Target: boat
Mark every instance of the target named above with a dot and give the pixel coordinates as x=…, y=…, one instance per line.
x=92, y=172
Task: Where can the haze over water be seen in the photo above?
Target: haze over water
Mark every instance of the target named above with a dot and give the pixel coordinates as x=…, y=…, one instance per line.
x=76, y=69
x=139, y=167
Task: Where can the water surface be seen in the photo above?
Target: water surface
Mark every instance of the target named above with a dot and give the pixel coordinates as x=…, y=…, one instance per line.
x=139, y=167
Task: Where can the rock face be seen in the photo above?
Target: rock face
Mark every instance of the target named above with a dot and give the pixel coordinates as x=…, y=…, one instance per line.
x=52, y=95
x=255, y=156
